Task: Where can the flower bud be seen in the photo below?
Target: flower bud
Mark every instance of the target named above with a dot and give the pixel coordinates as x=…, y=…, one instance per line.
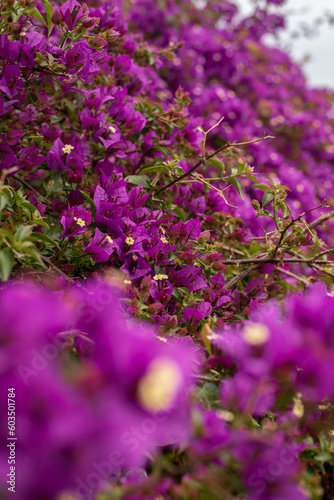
x=255, y=204
x=155, y=308
x=203, y=237
x=90, y=22
x=57, y=17
x=96, y=41
x=31, y=3
x=111, y=35
x=218, y=266
x=85, y=8
x=14, y=27
x=170, y=323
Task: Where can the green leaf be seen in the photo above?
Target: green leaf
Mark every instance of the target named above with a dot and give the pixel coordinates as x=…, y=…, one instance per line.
x=168, y=56
x=254, y=249
x=163, y=151
x=184, y=290
x=6, y=264
x=267, y=197
x=27, y=206
x=155, y=168
x=159, y=107
x=176, y=294
x=34, y=254
x=43, y=237
x=23, y=232
x=218, y=163
x=49, y=12
x=40, y=59
x=30, y=99
x=237, y=184
x=264, y=187
x=180, y=213
x=36, y=14
x=209, y=394
x=89, y=200
x=241, y=165
x=252, y=177
x=3, y=201
x=139, y=180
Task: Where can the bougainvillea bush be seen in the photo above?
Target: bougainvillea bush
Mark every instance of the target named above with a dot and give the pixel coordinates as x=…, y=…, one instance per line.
x=166, y=207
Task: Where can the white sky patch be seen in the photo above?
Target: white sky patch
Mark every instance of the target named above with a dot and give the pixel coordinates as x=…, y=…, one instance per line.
x=319, y=69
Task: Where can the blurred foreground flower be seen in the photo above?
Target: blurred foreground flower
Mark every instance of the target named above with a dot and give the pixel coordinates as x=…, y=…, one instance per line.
x=94, y=392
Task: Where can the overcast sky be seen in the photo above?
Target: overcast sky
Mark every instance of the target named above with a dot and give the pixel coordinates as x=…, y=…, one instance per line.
x=320, y=68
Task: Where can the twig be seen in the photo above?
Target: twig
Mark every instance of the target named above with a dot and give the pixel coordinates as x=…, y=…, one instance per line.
x=320, y=220
x=232, y=250
x=321, y=270
x=291, y=223
x=207, y=379
x=30, y=187
x=325, y=252
x=55, y=268
x=292, y=275
x=257, y=262
x=272, y=260
x=199, y=178
x=203, y=160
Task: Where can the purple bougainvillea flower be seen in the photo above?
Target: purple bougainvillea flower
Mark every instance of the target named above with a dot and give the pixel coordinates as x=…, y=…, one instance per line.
x=75, y=221
x=101, y=246
x=127, y=395
x=194, y=315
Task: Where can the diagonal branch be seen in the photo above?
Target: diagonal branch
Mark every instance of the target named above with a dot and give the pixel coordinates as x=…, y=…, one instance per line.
x=291, y=223
x=203, y=160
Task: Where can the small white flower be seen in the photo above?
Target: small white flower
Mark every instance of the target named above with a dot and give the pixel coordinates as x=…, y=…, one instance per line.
x=112, y=129
x=109, y=239
x=129, y=241
x=127, y=282
x=163, y=239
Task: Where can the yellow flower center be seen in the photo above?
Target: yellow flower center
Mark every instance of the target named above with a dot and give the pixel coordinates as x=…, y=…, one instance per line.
x=256, y=334
x=157, y=388
x=163, y=239
x=127, y=282
x=226, y=415
x=159, y=277
x=79, y=221
x=112, y=129
x=67, y=148
x=298, y=408
x=109, y=239
x=129, y=241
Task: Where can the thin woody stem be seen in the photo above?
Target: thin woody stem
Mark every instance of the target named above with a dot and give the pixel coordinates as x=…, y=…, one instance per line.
x=203, y=160
x=291, y=223
x=272, y=260
x=293, y=275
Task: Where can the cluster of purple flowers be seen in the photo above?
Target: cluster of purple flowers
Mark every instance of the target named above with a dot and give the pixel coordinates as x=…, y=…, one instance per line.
x=79, y=424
